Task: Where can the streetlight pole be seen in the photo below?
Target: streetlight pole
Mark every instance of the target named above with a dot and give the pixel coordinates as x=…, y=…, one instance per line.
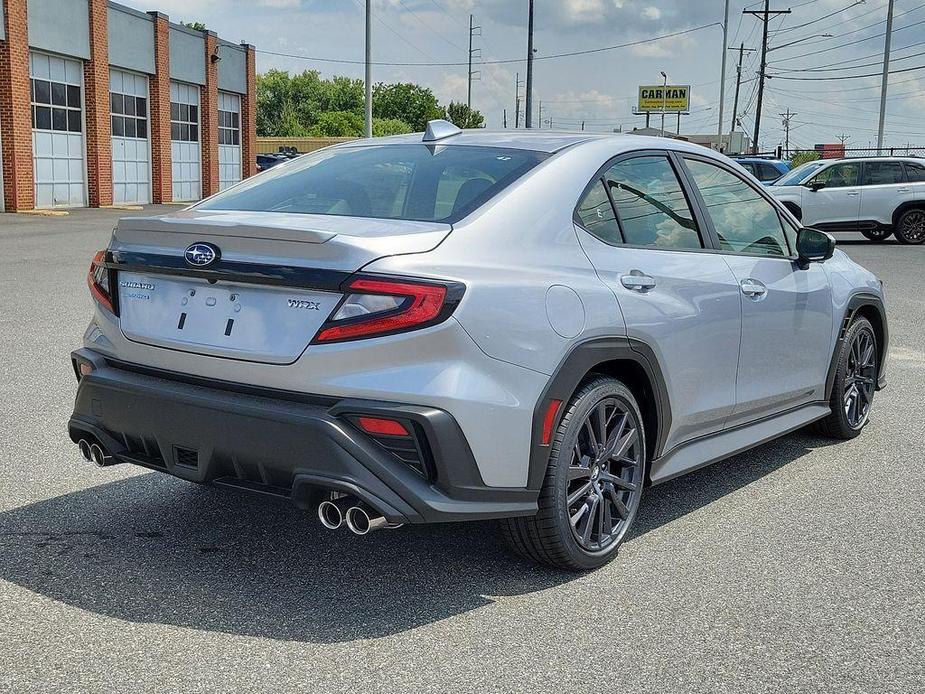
x=885, y=80
x=722, y=80
x=368, y=129
x=664, y=100
x=765, y=17
x=528, y=109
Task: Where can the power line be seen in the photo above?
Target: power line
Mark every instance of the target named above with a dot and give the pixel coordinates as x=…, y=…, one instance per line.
x=846, y=77
x=507, y=61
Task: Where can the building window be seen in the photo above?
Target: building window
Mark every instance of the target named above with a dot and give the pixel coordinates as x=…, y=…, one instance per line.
x=184, y=122
x=129, y=115
x=229, y=128
x=55, y=106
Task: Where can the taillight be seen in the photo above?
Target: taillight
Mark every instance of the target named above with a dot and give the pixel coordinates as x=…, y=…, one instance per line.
x=377, y=306
x=98, y=281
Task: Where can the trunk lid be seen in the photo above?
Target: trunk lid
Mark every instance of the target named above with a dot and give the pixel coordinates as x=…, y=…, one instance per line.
x=275, y=282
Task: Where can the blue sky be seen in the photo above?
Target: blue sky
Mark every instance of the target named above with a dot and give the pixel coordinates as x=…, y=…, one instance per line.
x=600, y=88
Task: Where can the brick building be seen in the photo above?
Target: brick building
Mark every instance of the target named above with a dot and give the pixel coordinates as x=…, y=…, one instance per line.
x=101, y=104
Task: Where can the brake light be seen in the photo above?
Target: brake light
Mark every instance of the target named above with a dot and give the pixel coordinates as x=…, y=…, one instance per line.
x=98, y=281
x=376, y=307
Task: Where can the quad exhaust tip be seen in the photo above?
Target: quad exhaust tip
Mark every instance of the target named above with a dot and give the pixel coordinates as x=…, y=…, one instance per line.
x=362, y=520
x=84, y=446
x=330, y=515
x=98, y=456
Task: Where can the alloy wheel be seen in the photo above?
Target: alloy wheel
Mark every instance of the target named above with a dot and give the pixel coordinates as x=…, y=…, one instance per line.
x=860, y=379
x=912, y=226
x=604, y=476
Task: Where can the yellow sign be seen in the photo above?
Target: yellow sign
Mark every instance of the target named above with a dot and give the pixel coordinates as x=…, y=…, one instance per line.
x=671, y=98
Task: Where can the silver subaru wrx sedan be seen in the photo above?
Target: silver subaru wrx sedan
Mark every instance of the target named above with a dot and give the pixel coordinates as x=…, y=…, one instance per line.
x=524, y=326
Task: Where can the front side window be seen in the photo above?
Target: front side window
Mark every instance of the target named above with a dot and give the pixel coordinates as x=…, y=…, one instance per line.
x=745, y=222
x=839, y=176
x=414, y=182
x=651, y=206
x=799, y=174
x=880, y=173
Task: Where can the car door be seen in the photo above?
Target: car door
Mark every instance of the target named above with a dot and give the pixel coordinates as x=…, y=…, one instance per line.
x=787, y=313
x=678, y=299
x=883, y=190
x=832, y=200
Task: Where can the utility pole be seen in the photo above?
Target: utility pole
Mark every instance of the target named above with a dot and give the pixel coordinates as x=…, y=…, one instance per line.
x=472, y=54
x=504, y=118
x=583, y=127
x=735, y=104
x=786, y=122
x=517, y=101
x=842, y=138
x=368, y=129
x=540, y=119
x=765, y=17
x=722, y=80
x=885, y=80
x=664, y=100
x=528, y=111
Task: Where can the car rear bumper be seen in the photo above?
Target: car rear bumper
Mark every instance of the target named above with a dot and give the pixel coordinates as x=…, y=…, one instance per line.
x=284, y=444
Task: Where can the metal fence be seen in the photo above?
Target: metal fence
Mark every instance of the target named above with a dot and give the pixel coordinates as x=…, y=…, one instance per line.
x=269, y=145
x=908, y=151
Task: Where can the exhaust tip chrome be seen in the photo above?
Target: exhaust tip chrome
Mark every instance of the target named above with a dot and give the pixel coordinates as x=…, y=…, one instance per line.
x=98, y=455
x=330, y=515
x=358, y=521
x=84, y=447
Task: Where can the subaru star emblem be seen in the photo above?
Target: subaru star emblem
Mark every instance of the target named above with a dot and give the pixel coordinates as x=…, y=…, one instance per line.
x=201, y=254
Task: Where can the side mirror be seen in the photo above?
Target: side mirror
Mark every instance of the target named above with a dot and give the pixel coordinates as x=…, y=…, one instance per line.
x=816, y=186
x=814, y=246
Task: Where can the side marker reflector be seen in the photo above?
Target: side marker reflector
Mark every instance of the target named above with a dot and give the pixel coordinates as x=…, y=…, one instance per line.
x=552, y=409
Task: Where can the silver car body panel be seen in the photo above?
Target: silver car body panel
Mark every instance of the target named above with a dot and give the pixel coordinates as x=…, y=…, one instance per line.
x=536, y=287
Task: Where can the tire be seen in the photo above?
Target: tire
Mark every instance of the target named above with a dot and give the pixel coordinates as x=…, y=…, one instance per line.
x=877, y=235
x=613, y=483
x=845, y=422
x=910, y=227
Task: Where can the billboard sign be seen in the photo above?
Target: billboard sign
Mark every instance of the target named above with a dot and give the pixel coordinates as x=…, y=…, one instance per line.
x=673, y=98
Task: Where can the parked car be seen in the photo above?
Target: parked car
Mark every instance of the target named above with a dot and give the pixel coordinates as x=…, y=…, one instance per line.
x=875, y=196
x=268, y=161
x=524, y=326
x=765, y=170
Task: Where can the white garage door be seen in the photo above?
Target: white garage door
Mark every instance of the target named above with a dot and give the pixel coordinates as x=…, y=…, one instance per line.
x=229, y=139
x=184, y=146
x=131, y=161
x=57, y=131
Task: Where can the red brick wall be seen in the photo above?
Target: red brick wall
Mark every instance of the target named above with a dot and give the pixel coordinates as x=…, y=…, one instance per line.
x=249, y=117
x=209, y=119
x=15, y=110
x=159, y=106
x=99, y=126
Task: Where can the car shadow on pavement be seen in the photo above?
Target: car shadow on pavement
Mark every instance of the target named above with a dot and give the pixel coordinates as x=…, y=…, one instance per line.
x=151, y=548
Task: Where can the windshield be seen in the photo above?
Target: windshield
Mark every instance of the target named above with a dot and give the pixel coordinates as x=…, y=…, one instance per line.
x=800, y=174
x=429, y=183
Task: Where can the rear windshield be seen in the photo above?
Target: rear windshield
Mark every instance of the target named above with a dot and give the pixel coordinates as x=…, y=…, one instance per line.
x=429, y=183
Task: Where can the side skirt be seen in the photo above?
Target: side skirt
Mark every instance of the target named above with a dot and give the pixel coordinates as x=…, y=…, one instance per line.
x=707, y=450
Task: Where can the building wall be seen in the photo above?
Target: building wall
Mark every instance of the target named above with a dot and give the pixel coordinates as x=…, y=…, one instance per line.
x=131, y=39
x=60, y=26
x=102, y=34
x=187, y=55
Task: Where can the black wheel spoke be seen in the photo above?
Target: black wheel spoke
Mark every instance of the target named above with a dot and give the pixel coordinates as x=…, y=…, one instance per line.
x=582, y=491
x=859, y=381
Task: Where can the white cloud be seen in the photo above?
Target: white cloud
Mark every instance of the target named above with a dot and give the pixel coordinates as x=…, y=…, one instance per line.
x=652, y=13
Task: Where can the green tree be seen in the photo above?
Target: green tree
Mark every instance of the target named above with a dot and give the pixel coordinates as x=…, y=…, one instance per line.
x=338, y=124
x=198, y=26
x=460, y=115
x=411, y=103
x=802, y=156
x=383, y=127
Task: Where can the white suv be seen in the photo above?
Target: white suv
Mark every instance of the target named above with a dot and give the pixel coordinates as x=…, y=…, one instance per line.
x=876, y=196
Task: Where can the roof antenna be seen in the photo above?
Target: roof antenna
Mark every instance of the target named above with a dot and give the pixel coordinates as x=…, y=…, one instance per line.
x=439, y=130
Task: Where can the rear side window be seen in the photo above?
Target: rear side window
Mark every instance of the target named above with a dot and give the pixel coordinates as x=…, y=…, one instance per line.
x=434, y=183
x=878, y=173
x=767, y=172
x=744, y=221
x=596, y=215
x=915, y=172
x=651, y=206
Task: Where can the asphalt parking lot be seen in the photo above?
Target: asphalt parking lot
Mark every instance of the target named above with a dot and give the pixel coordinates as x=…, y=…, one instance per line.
x=799, y=566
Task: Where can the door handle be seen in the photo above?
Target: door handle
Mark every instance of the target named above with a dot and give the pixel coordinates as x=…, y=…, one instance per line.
x=752, y=288
x=637, y=281
x=853, y=193
x=904, y=190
